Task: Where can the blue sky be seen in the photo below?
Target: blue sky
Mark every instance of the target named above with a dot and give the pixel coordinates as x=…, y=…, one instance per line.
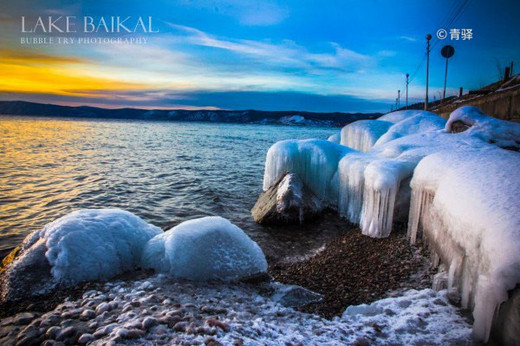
x=347, y=56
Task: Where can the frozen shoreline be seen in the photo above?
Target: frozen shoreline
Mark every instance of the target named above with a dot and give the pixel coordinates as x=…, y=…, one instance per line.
x=159, y=310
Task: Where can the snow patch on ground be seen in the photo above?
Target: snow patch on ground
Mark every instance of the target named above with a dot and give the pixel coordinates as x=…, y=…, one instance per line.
x=160, y=311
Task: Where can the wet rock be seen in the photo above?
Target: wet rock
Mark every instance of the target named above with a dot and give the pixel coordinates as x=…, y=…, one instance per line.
x=218, y=324
x=87, y=315
x=29, y=336
x=86, y=338
x=288, y=201
x=149, y=322
x=103, y=307
x=66, y=333
x=507, y=321
x=459, y=126
x=180, y=326
x=24, y=318
x=52, y=332
x=21, y=279
x=295, y=296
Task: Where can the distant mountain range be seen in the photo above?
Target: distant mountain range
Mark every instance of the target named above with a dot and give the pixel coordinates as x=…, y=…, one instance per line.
x=224, y=116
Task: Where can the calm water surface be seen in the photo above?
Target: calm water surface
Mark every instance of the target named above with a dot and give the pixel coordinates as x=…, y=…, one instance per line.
x=165, y=172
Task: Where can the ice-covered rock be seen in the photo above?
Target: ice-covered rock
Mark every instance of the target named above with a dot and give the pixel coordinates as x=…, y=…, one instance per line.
x=361, y=135
x=87, y=244
x=374, y=186
x=314, y=161
x=289, y=201
x=204, y=249
x=465, y=204
x=293, y=295
x=503, y=133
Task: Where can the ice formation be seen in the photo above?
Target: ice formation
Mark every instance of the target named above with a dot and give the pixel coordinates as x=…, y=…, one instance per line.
x=416, y=122
x=314, y=161
x=335, y=138
x=88, y=244
x=503, y=133
x=466, y=203
x=361, y=135
x=92, y=244
x=368, y=188
x=204, y=249
x=373, y=186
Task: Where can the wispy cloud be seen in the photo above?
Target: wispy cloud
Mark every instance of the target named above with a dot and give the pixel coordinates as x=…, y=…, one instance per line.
x=408, y=38
x=284, y=53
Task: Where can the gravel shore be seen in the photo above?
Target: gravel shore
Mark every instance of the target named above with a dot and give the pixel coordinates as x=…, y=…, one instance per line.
x=354, y=269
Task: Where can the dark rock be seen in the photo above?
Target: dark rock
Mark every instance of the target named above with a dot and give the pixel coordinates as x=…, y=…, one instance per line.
x=149, y=322
x=257, y=278
x=459, y=126
x=86, y=338
x=218, y=324
x=506, y=324
x=66, y=333
x=288, y=201
x=24, y=318
x=295, y=296
x=22, y=279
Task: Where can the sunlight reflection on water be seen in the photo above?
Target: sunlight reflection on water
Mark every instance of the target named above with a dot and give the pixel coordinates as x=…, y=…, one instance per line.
x=165, y=172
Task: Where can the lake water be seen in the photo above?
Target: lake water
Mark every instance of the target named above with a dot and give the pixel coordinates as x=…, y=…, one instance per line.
x=165, y=172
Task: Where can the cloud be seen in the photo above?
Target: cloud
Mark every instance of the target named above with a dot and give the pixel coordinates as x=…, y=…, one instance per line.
x=408, y=38
x=285, y=53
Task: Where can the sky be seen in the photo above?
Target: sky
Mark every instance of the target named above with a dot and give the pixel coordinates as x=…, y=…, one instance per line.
x=303, y=55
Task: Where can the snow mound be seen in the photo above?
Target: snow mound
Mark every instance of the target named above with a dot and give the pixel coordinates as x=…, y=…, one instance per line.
x=395, y=117
x=489, y=129
x=468, y=201
x=416, y=122
x=314, y=161
x=93, y=244
x=88, y=244
x=204, y=249
x=361, y=135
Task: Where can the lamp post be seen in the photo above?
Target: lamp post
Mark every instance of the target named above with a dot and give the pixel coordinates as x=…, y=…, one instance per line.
x=406, y=105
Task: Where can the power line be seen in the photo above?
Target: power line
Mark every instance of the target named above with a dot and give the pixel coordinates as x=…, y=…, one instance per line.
x=454, y=13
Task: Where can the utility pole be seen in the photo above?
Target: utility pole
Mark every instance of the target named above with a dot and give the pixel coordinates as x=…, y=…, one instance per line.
x=428, y=38
x=398, y=98
x=447, y=52
x=445, y=79
x=407, y=75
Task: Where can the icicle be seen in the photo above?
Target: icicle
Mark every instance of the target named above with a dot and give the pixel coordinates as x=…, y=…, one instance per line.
x=351, y=186
x=382, y=182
